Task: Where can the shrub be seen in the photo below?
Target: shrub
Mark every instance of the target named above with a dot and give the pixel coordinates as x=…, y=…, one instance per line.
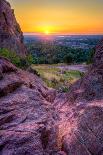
x=15, y=59
x=69, y=58
x=91, y=56
x=63, y=89
x=11, y=56
x=29, y=59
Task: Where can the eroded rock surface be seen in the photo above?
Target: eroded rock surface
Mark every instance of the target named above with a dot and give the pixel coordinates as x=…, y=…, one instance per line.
x=11, y=36
x=24, y=112
x=35, y=120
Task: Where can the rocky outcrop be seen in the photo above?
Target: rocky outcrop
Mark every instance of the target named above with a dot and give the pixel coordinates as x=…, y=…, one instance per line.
x=24, y=111
x=36, y=120
x=83, y=112
x=11, y=36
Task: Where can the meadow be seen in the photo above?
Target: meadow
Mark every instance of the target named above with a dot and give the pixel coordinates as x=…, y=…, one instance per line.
x=59, y=76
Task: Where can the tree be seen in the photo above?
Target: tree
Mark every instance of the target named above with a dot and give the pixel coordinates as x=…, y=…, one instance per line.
x=16, y=59
x=12, y=56
x=69, y=58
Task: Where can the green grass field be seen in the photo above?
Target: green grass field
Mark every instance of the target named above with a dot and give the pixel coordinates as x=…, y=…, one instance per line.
x=57, y=78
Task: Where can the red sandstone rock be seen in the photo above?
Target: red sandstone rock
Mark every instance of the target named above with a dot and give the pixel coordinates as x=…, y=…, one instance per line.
x=11, y=36
x=37, y=121
x=34, y=122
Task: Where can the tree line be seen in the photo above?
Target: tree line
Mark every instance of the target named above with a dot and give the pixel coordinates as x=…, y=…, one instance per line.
x=50, y=53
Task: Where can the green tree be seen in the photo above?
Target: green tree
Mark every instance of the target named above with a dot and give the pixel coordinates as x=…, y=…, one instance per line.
x=12, y=56
x=17, y=60
x=91, y=56
x=69, y=58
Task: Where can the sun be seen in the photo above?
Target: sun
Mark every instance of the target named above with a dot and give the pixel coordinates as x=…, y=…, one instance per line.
x=45, y=29
x=47, y=32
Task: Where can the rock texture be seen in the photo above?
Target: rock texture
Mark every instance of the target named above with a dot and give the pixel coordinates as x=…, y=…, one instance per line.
x=24, y=111
x=36, y=120
x=11, y=36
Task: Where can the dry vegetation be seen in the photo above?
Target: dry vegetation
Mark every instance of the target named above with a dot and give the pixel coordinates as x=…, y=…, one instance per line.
x=57, y=78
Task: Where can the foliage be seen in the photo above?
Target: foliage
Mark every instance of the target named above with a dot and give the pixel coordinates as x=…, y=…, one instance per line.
x=91, y=56
x=50, y=53
x=11, y=56
x=57, y=78
x=15, y=59
x=69, y=58
x=29, y=59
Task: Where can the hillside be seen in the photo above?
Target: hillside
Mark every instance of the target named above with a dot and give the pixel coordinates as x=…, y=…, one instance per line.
x=36, y=120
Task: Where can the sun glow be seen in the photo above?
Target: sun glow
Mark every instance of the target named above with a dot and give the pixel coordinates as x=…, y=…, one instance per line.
x=67, y=17
x=47, y=32
x=47, y=29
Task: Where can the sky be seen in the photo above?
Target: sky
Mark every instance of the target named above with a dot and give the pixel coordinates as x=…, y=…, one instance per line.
x=59, y=16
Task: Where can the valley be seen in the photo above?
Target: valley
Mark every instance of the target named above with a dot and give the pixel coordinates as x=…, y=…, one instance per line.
x=60, y=76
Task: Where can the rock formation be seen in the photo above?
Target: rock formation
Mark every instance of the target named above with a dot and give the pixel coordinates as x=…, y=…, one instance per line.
x=36, y=120
x=11, y=36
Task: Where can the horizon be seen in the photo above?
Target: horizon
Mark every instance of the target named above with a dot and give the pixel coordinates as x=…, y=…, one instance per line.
x=42, y=34
x=64, y=34
x=75, y=17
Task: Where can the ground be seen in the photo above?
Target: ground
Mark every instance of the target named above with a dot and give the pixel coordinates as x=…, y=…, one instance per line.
x=60, y=76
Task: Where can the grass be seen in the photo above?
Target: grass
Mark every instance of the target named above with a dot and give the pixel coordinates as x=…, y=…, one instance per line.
x=57, y=78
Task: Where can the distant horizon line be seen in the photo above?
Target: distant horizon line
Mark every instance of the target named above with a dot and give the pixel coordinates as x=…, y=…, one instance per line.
x=61, y=34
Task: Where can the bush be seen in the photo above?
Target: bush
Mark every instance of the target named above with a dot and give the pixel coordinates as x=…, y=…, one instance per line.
x=11, y=56
x=64, y=89
x=69, y=58
x=15, y=59
x=91, y=56
x=29, y=59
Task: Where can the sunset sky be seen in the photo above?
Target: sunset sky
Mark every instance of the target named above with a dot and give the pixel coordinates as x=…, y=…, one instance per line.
x=59, y=16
